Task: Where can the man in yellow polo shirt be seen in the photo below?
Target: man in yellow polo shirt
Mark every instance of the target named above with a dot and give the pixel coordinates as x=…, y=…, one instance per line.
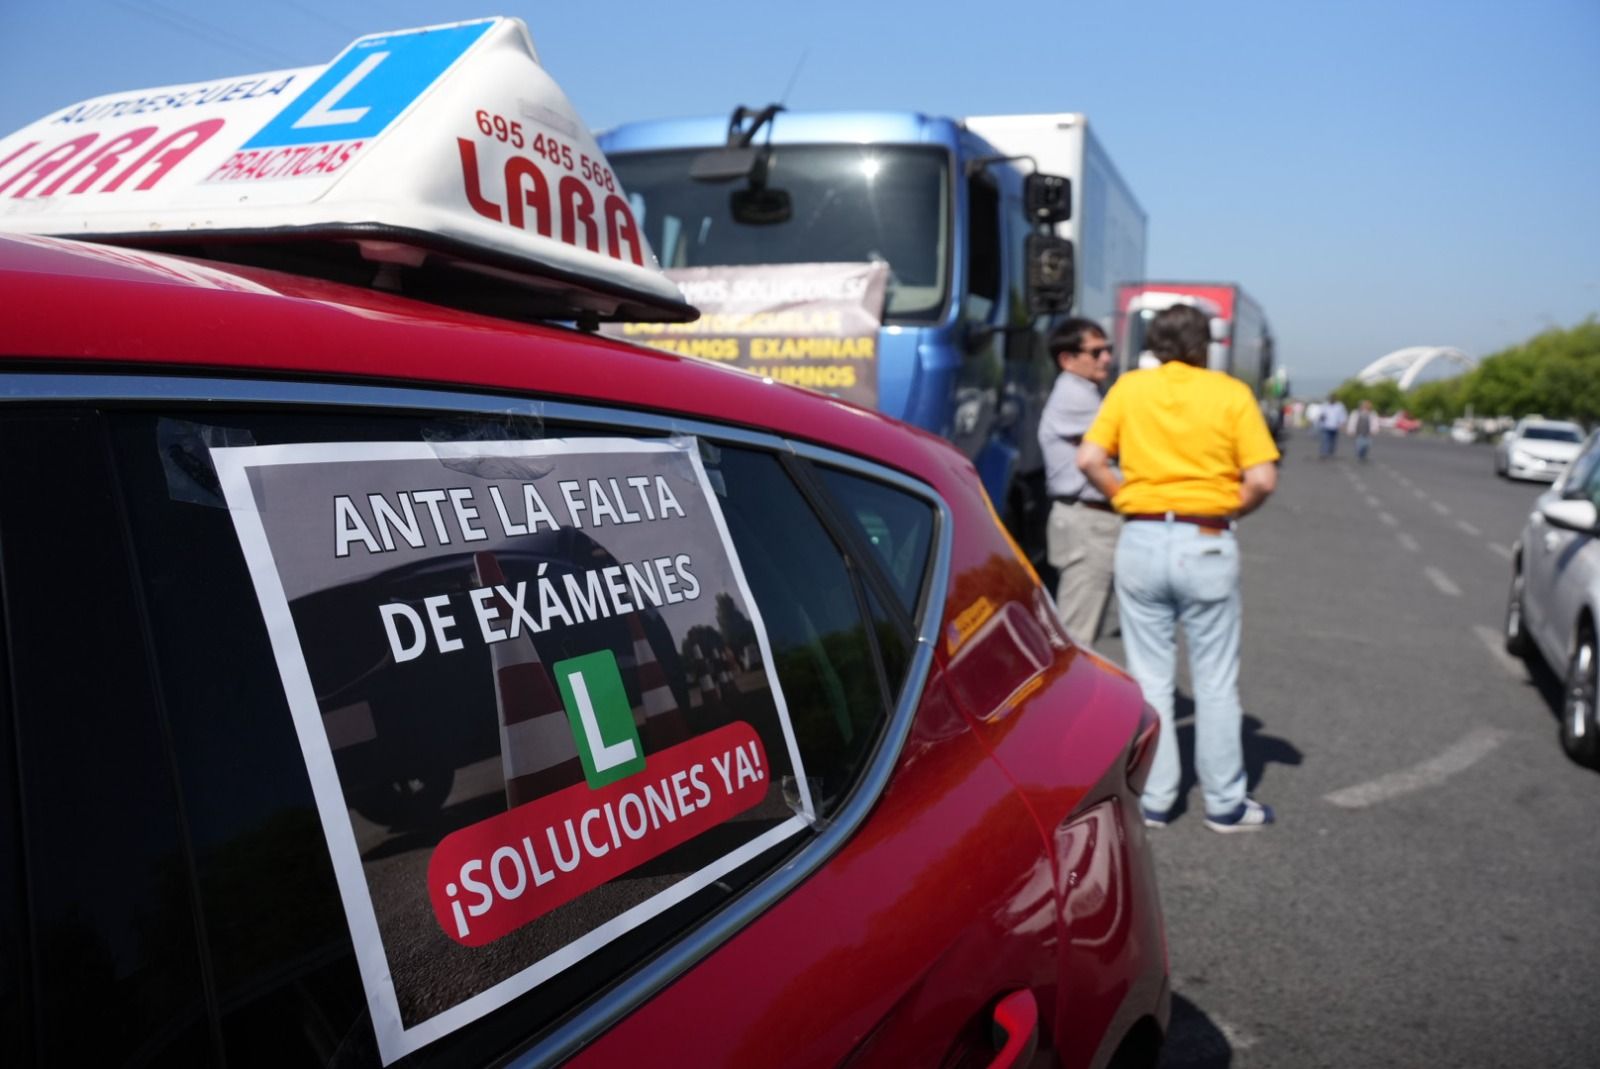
x=1195, y=455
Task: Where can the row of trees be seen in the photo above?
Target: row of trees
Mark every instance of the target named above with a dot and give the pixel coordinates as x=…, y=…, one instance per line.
x=1554, y=374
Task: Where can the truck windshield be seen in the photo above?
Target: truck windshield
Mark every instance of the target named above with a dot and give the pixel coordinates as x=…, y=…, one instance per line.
x=850, y=203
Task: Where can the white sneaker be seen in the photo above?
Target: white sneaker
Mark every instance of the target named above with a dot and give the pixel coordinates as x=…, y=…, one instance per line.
x=1250, y=816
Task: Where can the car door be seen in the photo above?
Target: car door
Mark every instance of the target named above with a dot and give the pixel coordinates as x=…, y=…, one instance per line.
x=1574, y=567
x=1561, y=563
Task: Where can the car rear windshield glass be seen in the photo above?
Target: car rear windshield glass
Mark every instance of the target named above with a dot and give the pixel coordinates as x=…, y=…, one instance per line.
x=846, y=204
x=1552, y=434
x=898, y=527
x=187, y=883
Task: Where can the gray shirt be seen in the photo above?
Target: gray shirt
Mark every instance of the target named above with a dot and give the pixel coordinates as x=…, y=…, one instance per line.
x=1073, y=404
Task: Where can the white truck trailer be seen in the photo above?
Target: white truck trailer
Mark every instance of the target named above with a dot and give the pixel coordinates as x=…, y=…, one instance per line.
x=1107, y=227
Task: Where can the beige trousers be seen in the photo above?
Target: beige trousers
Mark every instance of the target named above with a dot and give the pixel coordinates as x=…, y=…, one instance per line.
x=1081, y=544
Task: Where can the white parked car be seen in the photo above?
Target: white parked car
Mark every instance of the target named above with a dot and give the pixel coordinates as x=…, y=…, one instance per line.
x=1537, y=449
x=1554, y=607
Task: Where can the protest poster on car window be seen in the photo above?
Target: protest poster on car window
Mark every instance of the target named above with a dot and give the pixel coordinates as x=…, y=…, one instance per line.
x=813, y=325
x=533, y=692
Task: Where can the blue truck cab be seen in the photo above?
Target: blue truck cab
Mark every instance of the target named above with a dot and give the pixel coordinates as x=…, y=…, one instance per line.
x=976, y=274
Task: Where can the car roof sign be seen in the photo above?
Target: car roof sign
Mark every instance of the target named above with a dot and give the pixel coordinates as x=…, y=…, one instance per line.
x=447, y=146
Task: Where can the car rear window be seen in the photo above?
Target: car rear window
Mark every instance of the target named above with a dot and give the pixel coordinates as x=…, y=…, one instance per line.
x=1553, y=434
x=898, y=527
x=191, y=860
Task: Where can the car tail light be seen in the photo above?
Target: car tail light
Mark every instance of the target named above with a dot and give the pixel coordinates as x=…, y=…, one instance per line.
x=1142, y=751
x=1016, y=1030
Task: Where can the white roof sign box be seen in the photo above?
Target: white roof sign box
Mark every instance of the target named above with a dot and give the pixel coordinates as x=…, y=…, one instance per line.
x=435, y=149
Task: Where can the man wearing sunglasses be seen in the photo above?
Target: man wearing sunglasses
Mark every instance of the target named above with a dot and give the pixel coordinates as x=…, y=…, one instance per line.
x=1081, y=533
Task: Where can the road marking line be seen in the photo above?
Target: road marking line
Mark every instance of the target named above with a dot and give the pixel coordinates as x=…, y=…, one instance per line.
x=1419, y=494
x=1409, y=542
x=1388, y=519
x=1503, y=551
x=1373, y=502
x=1237, y=1037
x=1468, y=528
x=1496, y=646
x=1440, y=508
x=1477, y=745
x=1442, y=581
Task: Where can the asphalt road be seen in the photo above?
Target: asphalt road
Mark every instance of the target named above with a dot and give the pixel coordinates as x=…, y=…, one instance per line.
x=1431, y=893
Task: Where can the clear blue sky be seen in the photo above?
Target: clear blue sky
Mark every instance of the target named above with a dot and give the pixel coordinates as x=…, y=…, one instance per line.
x=1378, y=174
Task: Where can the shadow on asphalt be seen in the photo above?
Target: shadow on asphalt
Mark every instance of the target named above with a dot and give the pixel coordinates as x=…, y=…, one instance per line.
x=1552, y=690
x=1260, y=750
x=1193, y=1040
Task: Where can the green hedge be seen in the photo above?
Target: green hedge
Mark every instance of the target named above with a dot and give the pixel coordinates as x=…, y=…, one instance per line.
x=1555, y=374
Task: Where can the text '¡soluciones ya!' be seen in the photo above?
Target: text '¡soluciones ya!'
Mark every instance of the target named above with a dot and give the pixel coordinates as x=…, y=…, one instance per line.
x=384, y=526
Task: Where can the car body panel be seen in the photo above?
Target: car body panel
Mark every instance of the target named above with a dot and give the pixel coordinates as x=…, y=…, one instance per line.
x=338, y=331
x=1005, y=850
x=915, y=933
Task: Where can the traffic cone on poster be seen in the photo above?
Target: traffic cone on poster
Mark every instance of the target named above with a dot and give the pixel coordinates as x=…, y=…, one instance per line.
x=534, y=735
x=706, y=696
x=725, y=681
x=658, y=706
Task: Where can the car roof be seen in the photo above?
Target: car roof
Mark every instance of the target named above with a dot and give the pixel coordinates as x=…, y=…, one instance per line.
x=98, y=307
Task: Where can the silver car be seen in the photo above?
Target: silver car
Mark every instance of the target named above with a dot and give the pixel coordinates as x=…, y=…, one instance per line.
x=1554, y=605
x=1537, y=449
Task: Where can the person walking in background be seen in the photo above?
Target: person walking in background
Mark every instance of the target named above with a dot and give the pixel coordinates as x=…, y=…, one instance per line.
x=1330, y=421
x=1195, y=455
x=1362, y=424
x=1081, y=532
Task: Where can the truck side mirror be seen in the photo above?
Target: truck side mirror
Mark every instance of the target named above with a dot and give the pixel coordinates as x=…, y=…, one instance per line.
x=1047, y=198
x=1052, y=274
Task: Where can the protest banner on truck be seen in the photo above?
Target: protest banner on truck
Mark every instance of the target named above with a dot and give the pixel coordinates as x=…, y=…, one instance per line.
x=813, y=325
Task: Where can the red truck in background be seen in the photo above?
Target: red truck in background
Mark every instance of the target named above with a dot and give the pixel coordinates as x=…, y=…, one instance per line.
x=1241, y=341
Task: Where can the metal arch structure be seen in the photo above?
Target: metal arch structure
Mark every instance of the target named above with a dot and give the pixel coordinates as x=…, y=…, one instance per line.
x=1404, y=365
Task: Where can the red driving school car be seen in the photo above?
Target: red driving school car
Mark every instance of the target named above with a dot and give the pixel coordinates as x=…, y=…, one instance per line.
x=397, y=675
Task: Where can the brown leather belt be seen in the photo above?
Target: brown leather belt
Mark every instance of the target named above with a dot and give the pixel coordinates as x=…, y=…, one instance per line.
x=1100, y=506
x=1210, y=523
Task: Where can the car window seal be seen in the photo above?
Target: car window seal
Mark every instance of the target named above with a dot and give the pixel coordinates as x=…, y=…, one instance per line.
x=27, y=953
x=191, y=869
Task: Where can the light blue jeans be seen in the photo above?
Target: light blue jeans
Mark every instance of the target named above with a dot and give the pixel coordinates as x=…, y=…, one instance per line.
x=1176, y=573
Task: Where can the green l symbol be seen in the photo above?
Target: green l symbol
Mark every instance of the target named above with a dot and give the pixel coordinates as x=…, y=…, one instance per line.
x=601, y=719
